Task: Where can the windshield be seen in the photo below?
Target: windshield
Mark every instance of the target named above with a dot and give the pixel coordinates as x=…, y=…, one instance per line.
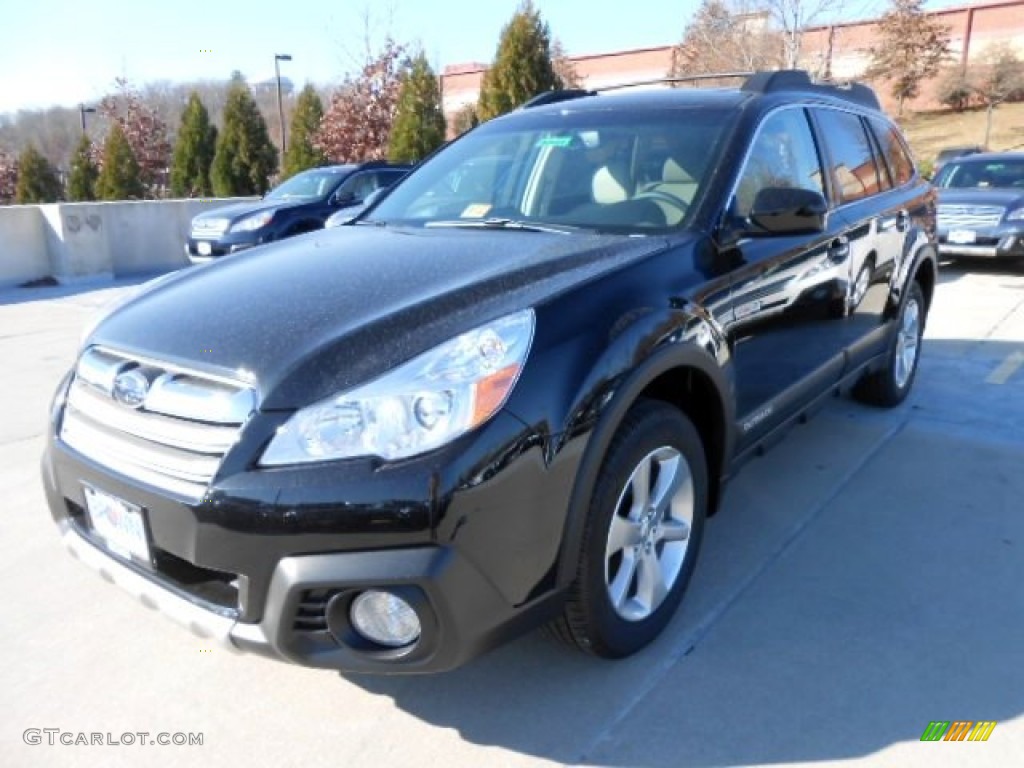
x=999, y=174
x=615, y=171
x=310, y=185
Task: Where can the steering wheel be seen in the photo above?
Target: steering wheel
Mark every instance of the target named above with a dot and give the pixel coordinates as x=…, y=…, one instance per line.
x=666, y=197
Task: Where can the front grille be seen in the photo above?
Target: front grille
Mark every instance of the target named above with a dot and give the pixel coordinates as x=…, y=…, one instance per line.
x=164, y=427
x=206, y=227
x=969, y=216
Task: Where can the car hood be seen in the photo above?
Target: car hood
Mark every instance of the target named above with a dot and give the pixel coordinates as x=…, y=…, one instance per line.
x=1007, y=198
x=320, y=313
x=238, y=211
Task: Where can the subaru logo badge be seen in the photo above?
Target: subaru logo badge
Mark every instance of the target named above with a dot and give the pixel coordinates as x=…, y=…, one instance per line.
x=131, y=388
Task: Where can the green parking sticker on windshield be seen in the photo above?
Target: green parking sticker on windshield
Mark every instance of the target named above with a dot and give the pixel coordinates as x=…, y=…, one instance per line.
x=555, y=141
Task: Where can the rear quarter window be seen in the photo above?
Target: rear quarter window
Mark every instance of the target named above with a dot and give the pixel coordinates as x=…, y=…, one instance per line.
x=901, y=167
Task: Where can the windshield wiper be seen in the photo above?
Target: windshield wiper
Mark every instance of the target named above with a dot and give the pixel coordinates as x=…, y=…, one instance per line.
x=497, y=223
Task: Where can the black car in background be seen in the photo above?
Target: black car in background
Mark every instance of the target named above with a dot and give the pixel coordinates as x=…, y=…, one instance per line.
x=512, y=390
x=981, y=206
x=301, y=204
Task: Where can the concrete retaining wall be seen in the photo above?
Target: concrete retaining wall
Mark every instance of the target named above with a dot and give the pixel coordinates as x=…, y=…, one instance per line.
x=23, y=251
x=74, y=241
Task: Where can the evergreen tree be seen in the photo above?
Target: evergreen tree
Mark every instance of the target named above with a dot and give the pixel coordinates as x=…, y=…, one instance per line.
x=301, y=154
x=37, y=179
x=120, y=177
x=522, y=66
x=419, y=120
x=84, y=173
x=193, y=151
x=245, y=158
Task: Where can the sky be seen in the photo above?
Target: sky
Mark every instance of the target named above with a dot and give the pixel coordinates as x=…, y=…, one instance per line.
x=68, y=52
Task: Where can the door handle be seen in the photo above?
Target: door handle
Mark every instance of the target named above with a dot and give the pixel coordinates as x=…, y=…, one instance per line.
x=839, y=249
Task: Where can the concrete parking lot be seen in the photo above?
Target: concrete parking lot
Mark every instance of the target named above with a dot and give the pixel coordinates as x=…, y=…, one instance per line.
x=863, y=579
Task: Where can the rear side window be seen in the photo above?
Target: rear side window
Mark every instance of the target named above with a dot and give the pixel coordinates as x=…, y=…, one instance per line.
x=852, y=159
x=901, y=167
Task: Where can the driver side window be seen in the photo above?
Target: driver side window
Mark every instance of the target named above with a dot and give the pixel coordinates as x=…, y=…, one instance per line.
x=783, y=155
x=356, y=188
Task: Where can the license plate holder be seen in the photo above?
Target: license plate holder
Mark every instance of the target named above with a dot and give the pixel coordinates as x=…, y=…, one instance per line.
x=962, y=236
x=120, y=524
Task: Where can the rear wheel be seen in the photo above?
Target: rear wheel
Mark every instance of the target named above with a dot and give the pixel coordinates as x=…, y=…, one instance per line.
x=641, y=536
x=890, y=386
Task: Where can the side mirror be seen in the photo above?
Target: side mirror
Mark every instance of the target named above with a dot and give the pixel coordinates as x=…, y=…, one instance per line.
x=343, y=199
x=788, y=211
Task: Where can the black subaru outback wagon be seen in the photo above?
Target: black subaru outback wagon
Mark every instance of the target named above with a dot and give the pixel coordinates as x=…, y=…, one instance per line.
x=511, y=392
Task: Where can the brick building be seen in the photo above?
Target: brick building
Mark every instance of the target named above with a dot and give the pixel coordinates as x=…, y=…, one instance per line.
x=843, y=47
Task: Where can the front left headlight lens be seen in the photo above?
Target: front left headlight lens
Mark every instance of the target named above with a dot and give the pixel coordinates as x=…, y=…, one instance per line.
x=417, y=407
x=250, y=223
x=1016, y=215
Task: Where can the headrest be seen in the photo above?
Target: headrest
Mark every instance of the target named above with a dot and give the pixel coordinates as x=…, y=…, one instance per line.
x=606, y=188
x=673, y=173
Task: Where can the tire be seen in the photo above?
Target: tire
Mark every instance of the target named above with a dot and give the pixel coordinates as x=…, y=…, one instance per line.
x=637, y=558
x=890, y=386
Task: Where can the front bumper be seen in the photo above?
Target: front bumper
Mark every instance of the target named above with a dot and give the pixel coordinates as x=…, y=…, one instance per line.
x=453, y=595
x=268, y=561
x=1003, y=241
x=206, y=248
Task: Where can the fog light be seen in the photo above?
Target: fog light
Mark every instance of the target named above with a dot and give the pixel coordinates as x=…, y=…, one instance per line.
x=385, y=618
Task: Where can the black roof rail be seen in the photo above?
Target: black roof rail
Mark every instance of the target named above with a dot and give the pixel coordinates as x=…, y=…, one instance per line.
x=799, y=80
x=553, y=97
x=681, y=79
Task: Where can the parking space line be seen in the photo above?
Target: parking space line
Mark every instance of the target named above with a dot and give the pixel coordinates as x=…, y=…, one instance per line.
x=1007, y=368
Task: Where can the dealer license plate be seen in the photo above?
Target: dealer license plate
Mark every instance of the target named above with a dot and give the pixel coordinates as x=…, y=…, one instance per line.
x=204, y=249
x=962, y=236
x=118, y=523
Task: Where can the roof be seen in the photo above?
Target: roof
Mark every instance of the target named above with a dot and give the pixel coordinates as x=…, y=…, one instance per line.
x=795, y=84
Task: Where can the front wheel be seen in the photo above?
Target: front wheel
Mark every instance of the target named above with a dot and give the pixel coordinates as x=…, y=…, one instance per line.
x=641, y=536
x=890, y=386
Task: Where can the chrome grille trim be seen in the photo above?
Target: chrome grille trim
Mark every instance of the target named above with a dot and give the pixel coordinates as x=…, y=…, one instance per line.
x=174, y=440
x=969, y=216
x=89, y=437
x=174, y=433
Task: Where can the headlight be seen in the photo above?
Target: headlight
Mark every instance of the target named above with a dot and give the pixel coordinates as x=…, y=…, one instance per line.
x=249, y=223
x=1017, y=214
x=419, y=406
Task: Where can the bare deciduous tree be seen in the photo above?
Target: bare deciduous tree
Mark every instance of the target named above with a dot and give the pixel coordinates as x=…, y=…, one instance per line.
x=8, y=177
x=145, y=132
x=726, y=36
x=997, y=77
x=793, y=17
x=912, y=47
x=565, y=68
x=357, y=123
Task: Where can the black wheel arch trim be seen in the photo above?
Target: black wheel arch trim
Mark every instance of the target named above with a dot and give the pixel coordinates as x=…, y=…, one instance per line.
x=667, y=359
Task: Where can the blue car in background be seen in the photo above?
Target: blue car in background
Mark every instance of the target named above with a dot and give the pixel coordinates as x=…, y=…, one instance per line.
x=301, y=204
